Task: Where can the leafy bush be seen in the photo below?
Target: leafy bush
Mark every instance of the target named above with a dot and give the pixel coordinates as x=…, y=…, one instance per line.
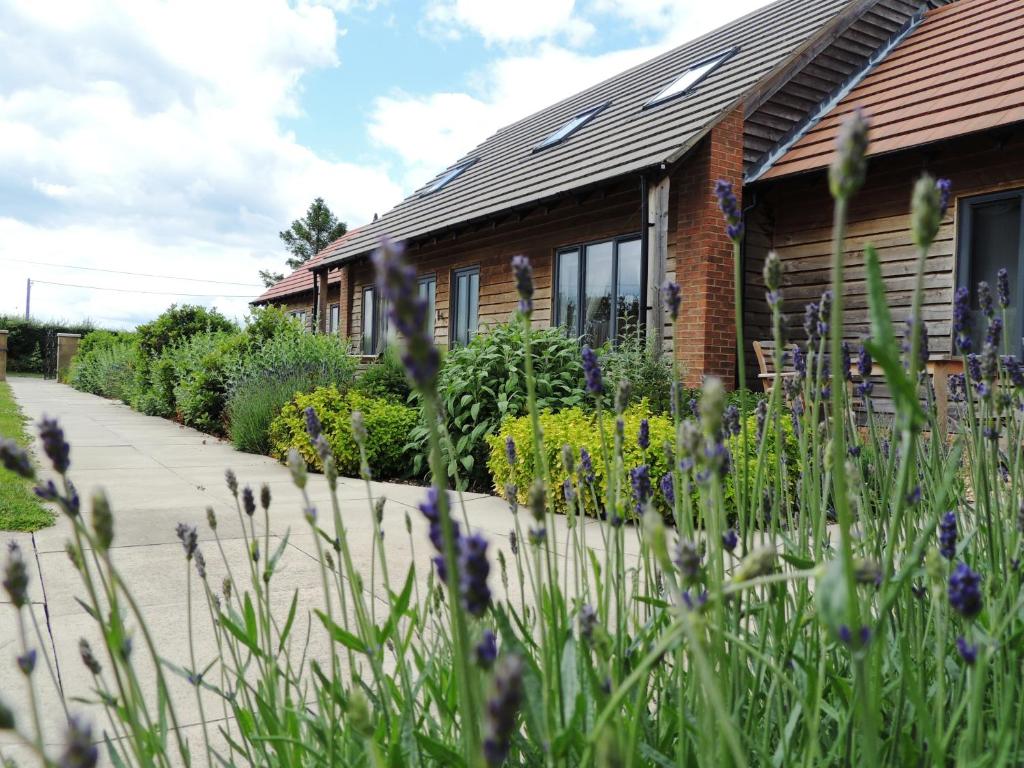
x=201, y=367
x=106, y=368
x=26, y=340
x=385, y=377
x=648, y=373
x=485, y=382
x=269, y=375
x=580, y=429
x=387, y=427
x=178, y=324
x=266, y=323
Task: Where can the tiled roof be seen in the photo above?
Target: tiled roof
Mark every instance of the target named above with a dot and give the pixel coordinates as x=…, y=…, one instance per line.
x=960, y=71
x=624, y=138
x=301, y=280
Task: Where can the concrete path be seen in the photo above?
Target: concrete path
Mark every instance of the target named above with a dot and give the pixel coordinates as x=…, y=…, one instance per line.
x=157, y=474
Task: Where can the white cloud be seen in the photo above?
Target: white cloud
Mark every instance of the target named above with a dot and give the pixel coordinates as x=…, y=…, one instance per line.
x=676, y=20
x=138, y=132
x=508, y=22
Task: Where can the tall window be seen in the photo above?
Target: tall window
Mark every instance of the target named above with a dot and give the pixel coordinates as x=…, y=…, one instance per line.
x=333, y=318
x=374, y=323
x=300, y=315
x=598, y=292
x=465, y=304
x=428, y=292
x=990, y=229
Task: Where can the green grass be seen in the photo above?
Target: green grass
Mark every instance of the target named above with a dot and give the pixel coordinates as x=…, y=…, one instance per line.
x=20, y=510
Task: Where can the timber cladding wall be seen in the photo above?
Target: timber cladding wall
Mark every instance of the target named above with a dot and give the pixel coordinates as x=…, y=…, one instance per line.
x=794, y=216
x=604, y=214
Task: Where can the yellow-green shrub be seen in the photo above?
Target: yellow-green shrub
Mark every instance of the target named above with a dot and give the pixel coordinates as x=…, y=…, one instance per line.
x=387, y=427
x=579, y=429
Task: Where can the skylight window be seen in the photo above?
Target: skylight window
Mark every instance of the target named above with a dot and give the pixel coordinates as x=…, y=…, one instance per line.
x=448, y=176
x=689, y=80
x=570, y=127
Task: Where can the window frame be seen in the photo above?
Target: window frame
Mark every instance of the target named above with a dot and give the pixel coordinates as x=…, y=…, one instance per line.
x=431, y=307
x=453, y=302
x=447, y=176
x=333, y=318
x=964, y=261
x=378, y=333
x=716, y=61
x=585, y=117
x=581, y=283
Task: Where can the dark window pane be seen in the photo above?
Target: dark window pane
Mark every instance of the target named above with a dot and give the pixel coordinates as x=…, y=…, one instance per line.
x=474, y=305
x=428, y=292
x=566, y=311
x=597, y=293
x=627, y=300
x=995, y=243
x=466, y=298
x=333, y=317
x=369, y=321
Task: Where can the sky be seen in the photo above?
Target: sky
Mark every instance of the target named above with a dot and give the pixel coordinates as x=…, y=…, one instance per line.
x=175, y=140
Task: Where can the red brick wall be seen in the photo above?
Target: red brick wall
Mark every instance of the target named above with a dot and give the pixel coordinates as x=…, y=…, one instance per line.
x=701, y=255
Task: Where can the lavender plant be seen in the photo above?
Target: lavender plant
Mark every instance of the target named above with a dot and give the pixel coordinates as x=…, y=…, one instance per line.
x=859, y=604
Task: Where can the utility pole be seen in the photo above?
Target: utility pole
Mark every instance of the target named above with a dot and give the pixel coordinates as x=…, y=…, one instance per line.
x=28, y=297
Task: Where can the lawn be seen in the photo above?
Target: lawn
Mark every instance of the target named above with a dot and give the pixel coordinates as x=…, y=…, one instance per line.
x=20, y=510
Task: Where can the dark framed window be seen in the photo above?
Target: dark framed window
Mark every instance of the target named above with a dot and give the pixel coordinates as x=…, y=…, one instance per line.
x=597, y=289
x=300, y=315
x=427, y=287
x=374, y=323
x=690, y=78
x=570, y=127
x=465, y=305
x=990, y=236
x=333, y=318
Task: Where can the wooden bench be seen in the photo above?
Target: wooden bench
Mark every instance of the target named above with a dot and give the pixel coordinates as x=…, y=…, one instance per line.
x=764, y=351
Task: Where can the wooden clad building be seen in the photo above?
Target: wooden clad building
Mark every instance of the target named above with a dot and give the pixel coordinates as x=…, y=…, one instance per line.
x=948, y=99
x=611, y=191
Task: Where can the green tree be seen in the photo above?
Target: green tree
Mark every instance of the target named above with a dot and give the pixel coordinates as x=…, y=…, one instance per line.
x=270, y=278
x=311, y=234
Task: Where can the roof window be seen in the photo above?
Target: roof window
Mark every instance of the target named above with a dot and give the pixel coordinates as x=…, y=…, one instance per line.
x=570, y=127
x=448, y=176
x=691, y=78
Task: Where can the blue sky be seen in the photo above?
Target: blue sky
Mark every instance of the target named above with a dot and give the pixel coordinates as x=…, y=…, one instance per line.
x=178, y=138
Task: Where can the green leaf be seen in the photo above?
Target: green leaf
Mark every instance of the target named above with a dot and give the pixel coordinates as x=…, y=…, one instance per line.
x=883, y=345
x=289, y=621
x=467, y=462
x=340, y=635
x=474, y=410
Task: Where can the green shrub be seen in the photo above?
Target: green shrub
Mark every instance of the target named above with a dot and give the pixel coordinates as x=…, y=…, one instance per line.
x=27, y=338
x=266, y=323
x=385, y=377
x=649, y=374
x=270, y=374
x=178, y=324
x=387, y=427
x=201, y=367
x=106, y=368
x=484, y=382
x=579, y=429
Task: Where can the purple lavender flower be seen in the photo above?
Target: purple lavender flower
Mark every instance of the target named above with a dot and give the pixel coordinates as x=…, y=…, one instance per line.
x=15, y=458
x=730, y=540
x=962, y=320
x=989, y=362
x=908, y=338
x=688, y=561
x=1014, y=370
x=568, y=490
x=1003, y=288
x=985, y=299
x=487, y=649
x=644, y=437
x=16, y=576
x=510, y=450
x=974, y=367
x=54, y=445
x=994, y=334
x=502, y=708
x=586, y=467
x=811, y=322
x=473, y=571
x=79, y=750
x=673, y=298
x=968, y=651
x=846, y=362
x=694, y=605
x=640, y=479
x=407, y=311
x=799, y=362
x=957, y=388
x=312, y=423
x=668, y=489
x=731, y=420
x=824, y=313
x=948, y=535
x=944, y=186
x=188, y=537
x=524, y=282
x=592, y=371
x=248, y=501
x=965, y=591
x=27, y=662
x=846, y=636
x=730, y=207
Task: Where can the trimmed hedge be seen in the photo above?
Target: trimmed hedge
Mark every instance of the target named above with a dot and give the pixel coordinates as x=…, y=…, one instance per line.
x=26, y=340
x=387, y=427
x=579, y=429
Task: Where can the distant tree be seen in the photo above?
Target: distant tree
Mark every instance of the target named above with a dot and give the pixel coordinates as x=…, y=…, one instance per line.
x=270, y=278
x=311, y=234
